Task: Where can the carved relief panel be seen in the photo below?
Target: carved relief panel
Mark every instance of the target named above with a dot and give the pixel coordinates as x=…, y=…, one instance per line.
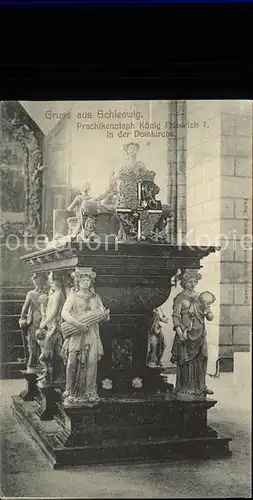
x=121, y=354
x=21, y=167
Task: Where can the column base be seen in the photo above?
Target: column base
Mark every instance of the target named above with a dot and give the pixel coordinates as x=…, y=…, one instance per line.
x=31, y=391
x=48, y=396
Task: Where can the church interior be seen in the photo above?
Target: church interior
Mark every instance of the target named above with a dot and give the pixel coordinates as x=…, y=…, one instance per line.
x=50, y=151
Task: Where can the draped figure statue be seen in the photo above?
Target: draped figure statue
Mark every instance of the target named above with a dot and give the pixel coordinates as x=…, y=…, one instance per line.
x=82, y=313
x=156, y=341
x=189, y=350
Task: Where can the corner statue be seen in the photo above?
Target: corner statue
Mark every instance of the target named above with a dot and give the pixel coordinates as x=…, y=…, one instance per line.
x=29, y=321
x=189, y=350
x=49, y=333
x=156, y=342
x=82, y=313
x=88, y=207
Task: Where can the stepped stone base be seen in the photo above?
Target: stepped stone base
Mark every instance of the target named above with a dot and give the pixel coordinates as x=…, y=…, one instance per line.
x=124, y=429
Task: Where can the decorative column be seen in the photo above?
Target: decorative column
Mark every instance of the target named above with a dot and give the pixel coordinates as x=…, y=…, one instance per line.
x=33, y=172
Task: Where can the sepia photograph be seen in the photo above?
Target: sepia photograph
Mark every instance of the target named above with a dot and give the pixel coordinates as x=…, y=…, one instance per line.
x=126, y=298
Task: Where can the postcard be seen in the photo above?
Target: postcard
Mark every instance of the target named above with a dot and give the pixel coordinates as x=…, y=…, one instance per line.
x=126, y=318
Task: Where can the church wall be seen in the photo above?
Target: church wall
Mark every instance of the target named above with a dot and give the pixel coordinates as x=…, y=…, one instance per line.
x=203, y=203
x=14, y=272
x=176, y=181
x=236, y=195
x=218, y=183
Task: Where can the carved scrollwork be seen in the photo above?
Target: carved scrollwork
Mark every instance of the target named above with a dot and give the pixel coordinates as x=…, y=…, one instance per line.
x=18, y=131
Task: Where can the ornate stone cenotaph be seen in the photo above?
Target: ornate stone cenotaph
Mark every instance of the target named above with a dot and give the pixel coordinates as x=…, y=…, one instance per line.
x=108, y=278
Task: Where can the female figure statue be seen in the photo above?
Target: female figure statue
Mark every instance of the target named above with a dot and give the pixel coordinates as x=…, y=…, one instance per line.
x=29, y=321
x=156, y=342
x=49, y=334
x=82, y=348
x=189, y=350
x=131, y=164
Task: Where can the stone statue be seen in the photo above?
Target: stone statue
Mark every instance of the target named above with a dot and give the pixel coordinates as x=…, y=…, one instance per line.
x=49, y=335
x=130, y=172
x=74, y=223
x=156, y=342
x=131, y=164
x=189, y=350
x=36, y=182
x=30, y=319
x=88, y=231
x=43, y=299
x=141, y=216
x=88, y=207
x=82, y=313
x=78, y=200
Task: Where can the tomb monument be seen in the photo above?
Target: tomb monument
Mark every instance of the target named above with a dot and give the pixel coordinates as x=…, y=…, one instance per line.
x=112, y=273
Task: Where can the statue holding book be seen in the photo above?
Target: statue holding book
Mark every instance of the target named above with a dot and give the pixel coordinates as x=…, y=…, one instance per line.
x=82, y=313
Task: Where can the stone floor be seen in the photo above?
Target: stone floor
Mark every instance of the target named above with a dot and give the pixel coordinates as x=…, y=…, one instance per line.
x=26, y=473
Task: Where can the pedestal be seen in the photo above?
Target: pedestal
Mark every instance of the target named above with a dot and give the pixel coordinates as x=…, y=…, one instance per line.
x=31, y=391
x=127, y=429
x=47, y=397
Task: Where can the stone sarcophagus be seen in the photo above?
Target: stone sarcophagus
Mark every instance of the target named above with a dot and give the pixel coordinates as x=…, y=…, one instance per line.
x=109, y=275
